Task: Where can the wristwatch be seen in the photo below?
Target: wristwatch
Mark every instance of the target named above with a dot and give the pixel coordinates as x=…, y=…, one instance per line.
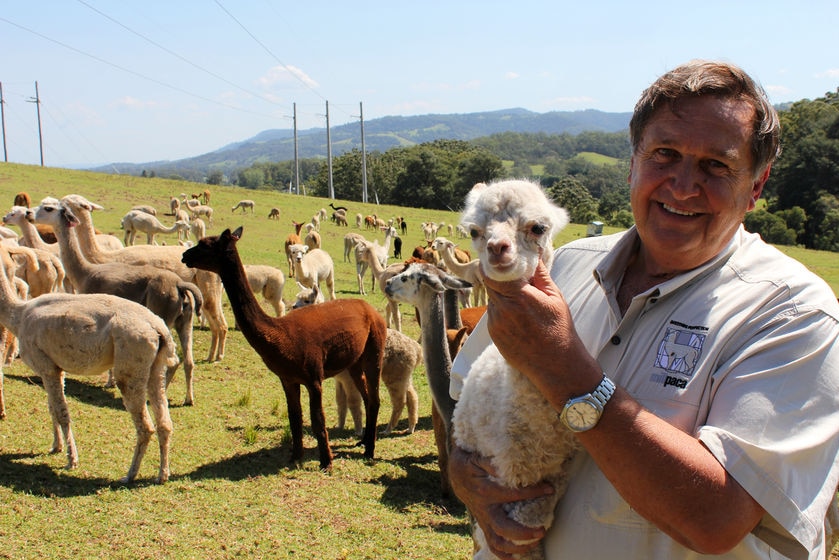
x=583, y=413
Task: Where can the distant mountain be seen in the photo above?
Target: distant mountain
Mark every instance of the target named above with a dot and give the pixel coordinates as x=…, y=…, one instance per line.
x=379, y=136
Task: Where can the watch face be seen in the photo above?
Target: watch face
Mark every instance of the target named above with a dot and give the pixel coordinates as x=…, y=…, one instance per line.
x=581, y=416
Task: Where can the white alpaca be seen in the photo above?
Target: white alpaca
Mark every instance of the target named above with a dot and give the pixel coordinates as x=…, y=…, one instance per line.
x=500, y=414
x=268, y=281
x=351, y=239
x=199, y=210
x=313, y=267
x=244, y=205
x=381, y=253
x=107, y=332
x=198, y=228
x=137, y=221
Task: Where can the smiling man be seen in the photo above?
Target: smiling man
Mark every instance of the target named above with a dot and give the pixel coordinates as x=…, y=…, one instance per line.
x=721, y=435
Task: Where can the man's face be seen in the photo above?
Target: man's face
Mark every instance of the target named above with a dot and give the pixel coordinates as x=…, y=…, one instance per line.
x=691, y=181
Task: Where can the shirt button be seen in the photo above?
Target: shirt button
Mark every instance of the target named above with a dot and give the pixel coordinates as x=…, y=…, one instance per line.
x=616, y=340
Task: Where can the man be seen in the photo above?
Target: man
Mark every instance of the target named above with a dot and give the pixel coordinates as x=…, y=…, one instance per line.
x=715, y=354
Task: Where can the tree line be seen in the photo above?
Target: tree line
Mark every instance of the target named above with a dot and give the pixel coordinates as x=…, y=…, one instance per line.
x=802, y=194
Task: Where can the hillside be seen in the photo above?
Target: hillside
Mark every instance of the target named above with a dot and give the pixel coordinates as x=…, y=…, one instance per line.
x=379, y=135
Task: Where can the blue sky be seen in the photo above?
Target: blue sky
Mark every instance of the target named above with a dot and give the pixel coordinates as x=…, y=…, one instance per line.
x=156, y=80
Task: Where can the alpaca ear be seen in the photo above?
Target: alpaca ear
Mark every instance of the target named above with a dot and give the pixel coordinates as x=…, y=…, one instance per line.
x=237, y=235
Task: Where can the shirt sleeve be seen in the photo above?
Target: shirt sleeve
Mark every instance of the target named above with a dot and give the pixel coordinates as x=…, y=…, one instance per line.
x=774, y=426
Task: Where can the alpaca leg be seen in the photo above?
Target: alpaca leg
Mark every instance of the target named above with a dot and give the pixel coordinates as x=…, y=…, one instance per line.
x=295, y=419
x=370, y=396
x=57, y=404
x=133, y=389
x=184, y=326
x=354, y=403
x=110, y=383
x=341, y=403
x=397, y=404
x=319, y=424
x=442, y=441
x=412, y=402
x=2, y=397
x=163, y=422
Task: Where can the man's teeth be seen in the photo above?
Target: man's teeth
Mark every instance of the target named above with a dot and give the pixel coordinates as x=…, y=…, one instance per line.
x=679, y=212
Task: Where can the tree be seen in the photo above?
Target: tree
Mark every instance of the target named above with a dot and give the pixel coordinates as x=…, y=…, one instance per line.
x=572, y=195
x=771, y=227
x=215, y=177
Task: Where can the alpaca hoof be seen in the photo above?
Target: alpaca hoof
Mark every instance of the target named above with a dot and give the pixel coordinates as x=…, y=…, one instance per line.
x=188, y=402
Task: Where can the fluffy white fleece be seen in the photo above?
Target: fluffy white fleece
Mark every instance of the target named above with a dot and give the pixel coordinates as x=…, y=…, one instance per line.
x=500, y=413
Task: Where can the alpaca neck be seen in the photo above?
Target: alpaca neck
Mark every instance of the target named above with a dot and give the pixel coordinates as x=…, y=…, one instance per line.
x=86, y=237
x=438, y=362
x=31, y=235
x=76, y=266
x=451, y=310
x=10, y=304
x=251, y=318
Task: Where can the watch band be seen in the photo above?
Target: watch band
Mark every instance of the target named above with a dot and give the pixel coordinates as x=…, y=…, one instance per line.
x=604, y=391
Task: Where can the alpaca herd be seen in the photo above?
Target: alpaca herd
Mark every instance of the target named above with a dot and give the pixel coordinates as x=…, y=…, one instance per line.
x=146, y=298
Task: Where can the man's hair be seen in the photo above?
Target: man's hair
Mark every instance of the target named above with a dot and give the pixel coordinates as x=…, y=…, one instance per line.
x=699, y=77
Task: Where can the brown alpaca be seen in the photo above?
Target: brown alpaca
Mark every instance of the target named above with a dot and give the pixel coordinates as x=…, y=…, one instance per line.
x=304, y=347
x=23, y=199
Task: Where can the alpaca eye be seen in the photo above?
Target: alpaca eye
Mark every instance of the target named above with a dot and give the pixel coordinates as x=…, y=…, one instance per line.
x=538, y=229
x=474, y=233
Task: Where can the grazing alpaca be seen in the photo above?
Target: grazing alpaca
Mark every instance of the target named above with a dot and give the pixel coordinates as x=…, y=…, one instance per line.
x=107, y=332
x=162, y=291
x=469, y=271
x=303, y=347
x=136, y=221
x=313, y=267
x=274, y=214
x=174, y=206
x=202, y=210
x=145, y=208
x=312, y=240
x=168, y=258
x=205, y=197
x=244, y=205
x=423, y=285
x=500, y=414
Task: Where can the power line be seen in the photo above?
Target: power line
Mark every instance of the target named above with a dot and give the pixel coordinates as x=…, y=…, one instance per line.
x=132, y=72
x=176, y=55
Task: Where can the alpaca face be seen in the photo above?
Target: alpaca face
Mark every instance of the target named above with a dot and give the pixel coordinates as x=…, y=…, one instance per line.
x=512, y=225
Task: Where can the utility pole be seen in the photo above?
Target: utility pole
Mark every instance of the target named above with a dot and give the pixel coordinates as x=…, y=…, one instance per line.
x=329, y=154
x=296, y=161
x=3, y=123
x=363, y=157
x=37, y=101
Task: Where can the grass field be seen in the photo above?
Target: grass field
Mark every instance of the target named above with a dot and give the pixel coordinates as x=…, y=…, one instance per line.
x=233, y=492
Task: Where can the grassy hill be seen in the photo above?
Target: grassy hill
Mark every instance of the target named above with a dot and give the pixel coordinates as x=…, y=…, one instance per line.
x=232, y=492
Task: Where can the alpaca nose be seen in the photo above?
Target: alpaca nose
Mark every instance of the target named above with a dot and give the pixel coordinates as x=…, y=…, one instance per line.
x=498, y=246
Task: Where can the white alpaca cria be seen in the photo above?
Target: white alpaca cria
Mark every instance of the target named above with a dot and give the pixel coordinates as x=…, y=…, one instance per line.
x=501, y=414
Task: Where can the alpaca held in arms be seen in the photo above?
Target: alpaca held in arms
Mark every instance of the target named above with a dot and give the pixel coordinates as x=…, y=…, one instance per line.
x=500, y=414
x=303, y=347
x=87, y=335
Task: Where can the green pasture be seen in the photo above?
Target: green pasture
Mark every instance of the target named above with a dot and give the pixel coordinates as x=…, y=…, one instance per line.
x=233, y=492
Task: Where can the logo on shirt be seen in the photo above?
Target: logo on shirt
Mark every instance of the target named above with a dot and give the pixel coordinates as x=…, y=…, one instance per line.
x=678, y=353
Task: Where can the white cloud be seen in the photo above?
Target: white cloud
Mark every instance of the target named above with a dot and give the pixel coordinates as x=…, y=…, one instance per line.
x=777, y=91
x=832, y=74
x=566, y=102
x=511, y=75
x=133, y=104
x=285, y=75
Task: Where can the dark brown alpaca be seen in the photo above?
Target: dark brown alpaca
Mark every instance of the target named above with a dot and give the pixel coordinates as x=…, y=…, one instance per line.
x=304, y=347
